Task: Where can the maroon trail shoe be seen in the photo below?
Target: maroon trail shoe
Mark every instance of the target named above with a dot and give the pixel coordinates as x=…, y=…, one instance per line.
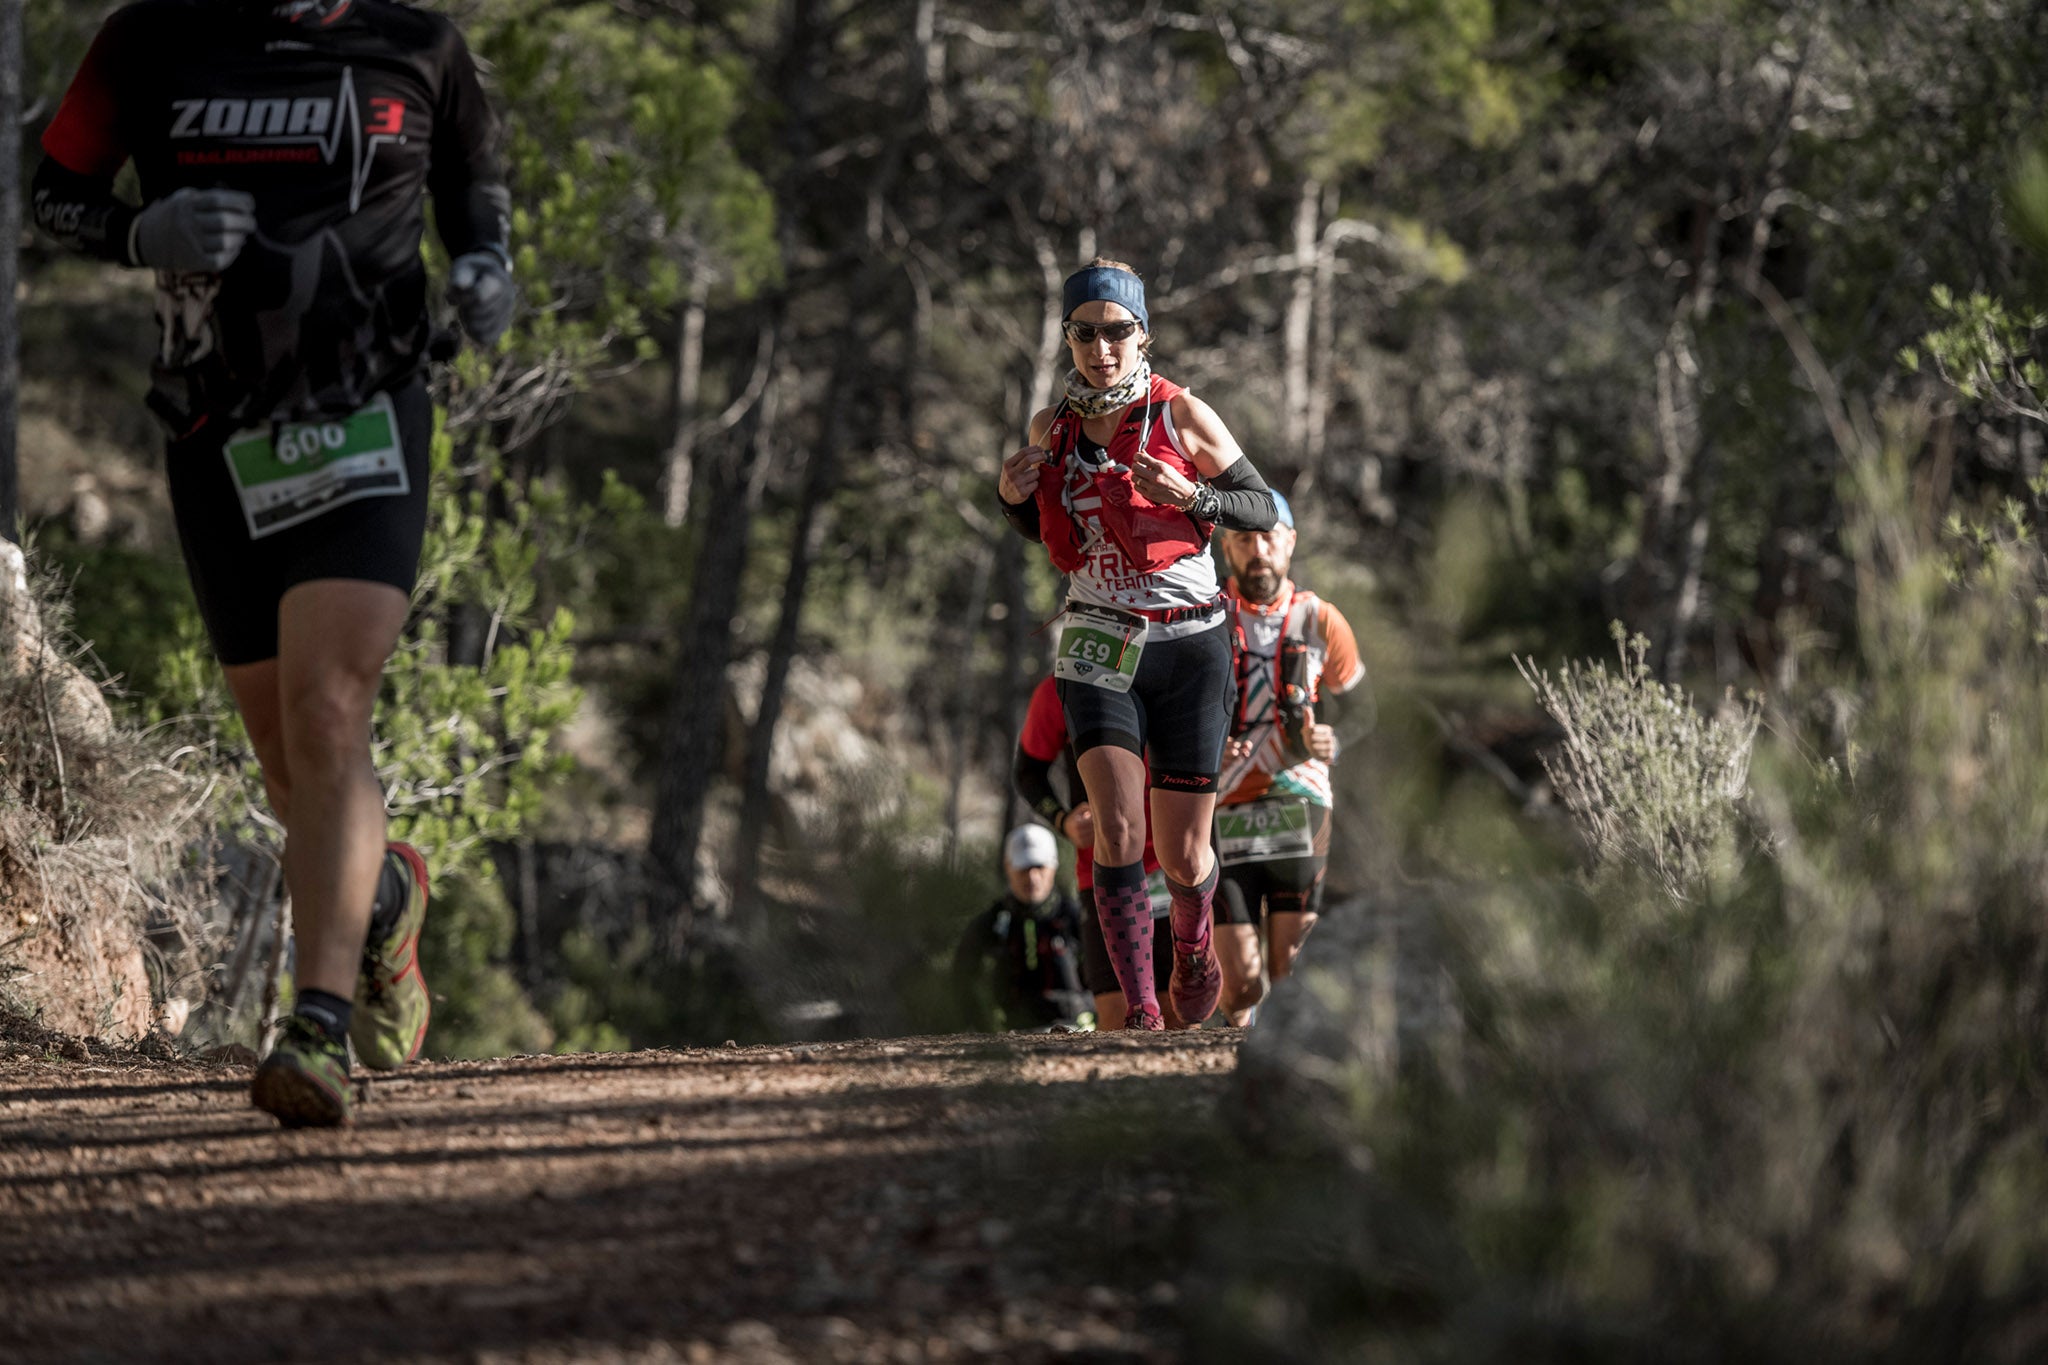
x=1197, y=980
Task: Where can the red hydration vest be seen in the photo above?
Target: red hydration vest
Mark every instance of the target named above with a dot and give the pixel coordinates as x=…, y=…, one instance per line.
x=1151, y=535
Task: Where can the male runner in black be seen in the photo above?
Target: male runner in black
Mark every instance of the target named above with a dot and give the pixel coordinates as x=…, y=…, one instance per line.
x=284, y=150
x=1018, y=963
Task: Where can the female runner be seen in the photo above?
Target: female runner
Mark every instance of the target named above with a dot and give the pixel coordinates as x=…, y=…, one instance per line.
x=1124, y=481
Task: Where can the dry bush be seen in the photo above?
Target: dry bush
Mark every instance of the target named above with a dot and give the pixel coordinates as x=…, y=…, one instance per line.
x=1651, y=781
x=105, y=831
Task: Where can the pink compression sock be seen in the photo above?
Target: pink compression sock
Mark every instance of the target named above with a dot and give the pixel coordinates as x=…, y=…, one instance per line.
x=1124, y=908
x=1192, y=907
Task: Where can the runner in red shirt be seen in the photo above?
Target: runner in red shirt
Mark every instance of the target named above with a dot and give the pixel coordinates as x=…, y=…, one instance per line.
x=1123, y=481
x=1045, y=775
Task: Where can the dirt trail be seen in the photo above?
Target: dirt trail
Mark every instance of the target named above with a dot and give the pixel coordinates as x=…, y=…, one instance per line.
x=904, y=1200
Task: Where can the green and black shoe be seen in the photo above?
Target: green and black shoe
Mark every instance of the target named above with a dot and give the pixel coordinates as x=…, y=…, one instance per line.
x=392, y=1007
x=304, y=1080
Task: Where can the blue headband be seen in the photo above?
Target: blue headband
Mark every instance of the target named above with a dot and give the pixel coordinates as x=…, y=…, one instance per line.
x=1105, y=284
x=1286, y=513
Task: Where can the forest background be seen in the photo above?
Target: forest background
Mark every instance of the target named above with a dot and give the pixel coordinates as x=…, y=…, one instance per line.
x=1524, y=305
x=1543, y=315
x=1717, y=1019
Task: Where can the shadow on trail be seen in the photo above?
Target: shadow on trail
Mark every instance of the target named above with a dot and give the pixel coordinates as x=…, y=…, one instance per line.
x=399, y=1115
x=116, y=1090
x=629, y=1242
x=963, y=1049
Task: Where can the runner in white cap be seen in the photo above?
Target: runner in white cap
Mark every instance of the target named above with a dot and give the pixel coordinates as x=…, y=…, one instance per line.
x=1019, y=962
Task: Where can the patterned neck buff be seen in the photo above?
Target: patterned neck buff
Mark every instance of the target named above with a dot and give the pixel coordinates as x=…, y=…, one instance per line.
x=1092, y=402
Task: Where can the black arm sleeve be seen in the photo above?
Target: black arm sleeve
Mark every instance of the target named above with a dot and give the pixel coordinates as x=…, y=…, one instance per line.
x=1351, y=714
x=1022, y=516
x=1032, y=777
x=82, y=212
x=1237, y=499
x=472, y=208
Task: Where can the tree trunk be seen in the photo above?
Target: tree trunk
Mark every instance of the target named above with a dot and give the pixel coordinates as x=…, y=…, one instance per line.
x=1655, y=587
x=1685, y=607
x=680, y=466
x=821, y=480
x=531, y=967
x=960, y=644
x=10, y=267
x=695, y=725
x=1045, y=366
x=1010, y=554
x=1299, y=324
x=1323, y=353
x=469, y=625
x=1013, y=686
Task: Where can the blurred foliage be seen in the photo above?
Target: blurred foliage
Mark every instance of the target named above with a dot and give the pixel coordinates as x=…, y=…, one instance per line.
x=480, y=1007
x=1786, y=1109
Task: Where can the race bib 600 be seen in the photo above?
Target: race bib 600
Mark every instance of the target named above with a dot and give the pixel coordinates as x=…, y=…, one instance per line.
x=306, y=468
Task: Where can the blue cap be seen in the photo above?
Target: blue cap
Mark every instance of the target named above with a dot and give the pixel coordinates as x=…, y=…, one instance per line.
x=1105, y=284
x=1286, y=517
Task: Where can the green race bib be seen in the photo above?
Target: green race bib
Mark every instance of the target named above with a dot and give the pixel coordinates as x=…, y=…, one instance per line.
x=1263, y=831
x=1100, y=647
x=307, y=468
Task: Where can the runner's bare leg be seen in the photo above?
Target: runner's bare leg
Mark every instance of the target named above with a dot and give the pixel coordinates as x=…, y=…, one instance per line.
x=334, y=637
x=1237, y=954
x=255, y=691
x=1288, y=931
x=1115, y=780
x=1181, y=834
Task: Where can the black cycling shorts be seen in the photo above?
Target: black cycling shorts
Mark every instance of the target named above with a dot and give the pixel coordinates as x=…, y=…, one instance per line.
x=1247, y=892
x=239, y=580
x=1098, y=973
x=1177, y=713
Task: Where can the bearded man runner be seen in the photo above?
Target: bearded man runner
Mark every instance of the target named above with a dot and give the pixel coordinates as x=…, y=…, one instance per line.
x=1295, y=655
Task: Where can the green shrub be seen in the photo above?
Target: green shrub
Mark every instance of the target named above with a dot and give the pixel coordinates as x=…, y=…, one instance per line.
x=480, y=1009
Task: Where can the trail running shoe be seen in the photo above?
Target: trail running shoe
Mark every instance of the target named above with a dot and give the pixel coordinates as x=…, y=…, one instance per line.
x=1197, y=980
x=392, y=1006
x=1144, y=1021
x=304, y=1080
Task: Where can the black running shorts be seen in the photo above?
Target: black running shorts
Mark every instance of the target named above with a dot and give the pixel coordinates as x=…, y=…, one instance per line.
x=1247, y=892
x=1177, y=712
x=239, y=579
x=1098, y=973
